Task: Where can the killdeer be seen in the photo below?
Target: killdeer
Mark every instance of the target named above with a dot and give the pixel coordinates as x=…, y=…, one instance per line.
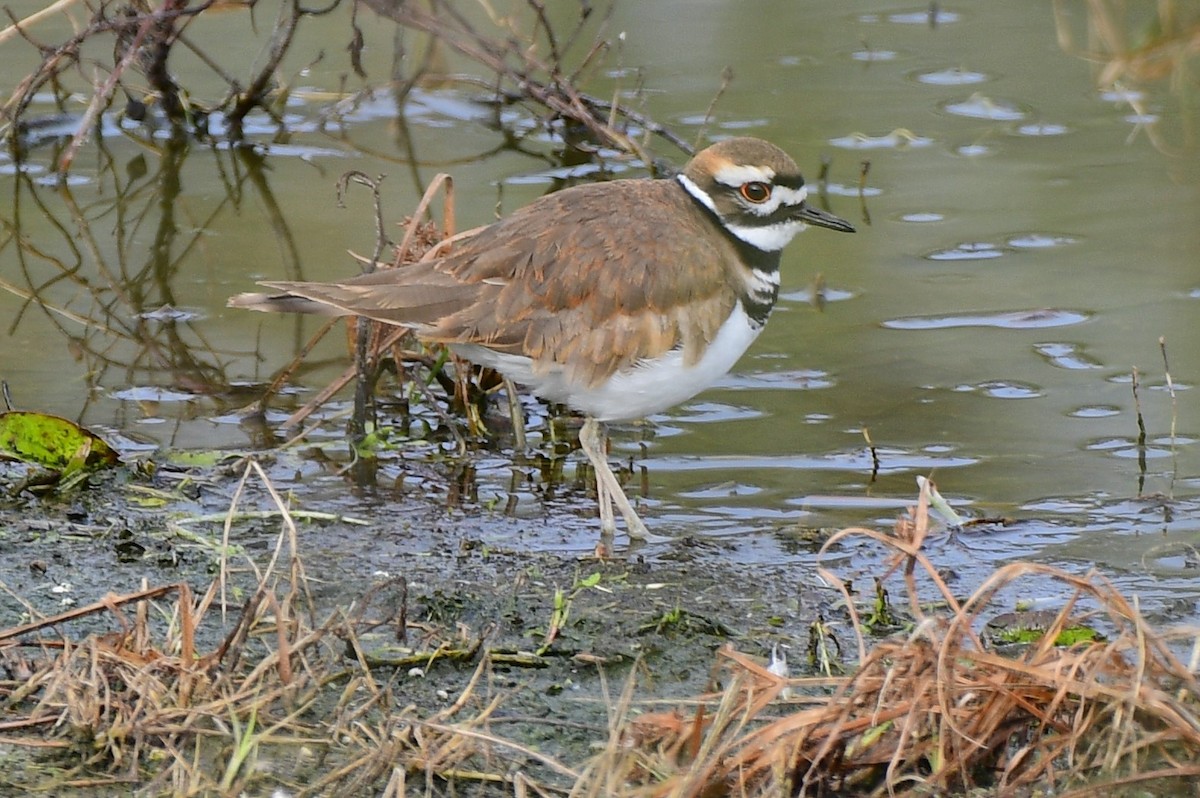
x=618, y=299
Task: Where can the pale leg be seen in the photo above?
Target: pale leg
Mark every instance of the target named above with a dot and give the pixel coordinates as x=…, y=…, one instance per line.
x=608, y=489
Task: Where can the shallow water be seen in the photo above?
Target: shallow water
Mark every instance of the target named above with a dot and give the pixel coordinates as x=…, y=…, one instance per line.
x=1026, y=237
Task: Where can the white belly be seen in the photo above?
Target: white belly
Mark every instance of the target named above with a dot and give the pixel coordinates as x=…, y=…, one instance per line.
x=649, y=387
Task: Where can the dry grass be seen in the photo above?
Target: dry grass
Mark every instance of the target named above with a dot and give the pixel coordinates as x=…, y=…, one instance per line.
x=938, y=711
x=285, y=698
x=933, y=711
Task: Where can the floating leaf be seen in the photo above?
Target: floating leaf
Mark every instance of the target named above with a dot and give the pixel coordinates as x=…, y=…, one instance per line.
x=52, y=442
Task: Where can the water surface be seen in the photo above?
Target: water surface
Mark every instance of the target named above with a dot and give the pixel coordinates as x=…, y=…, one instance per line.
x=1026, y=237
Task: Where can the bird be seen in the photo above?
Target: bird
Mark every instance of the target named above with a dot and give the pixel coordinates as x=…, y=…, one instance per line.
x=619, y=299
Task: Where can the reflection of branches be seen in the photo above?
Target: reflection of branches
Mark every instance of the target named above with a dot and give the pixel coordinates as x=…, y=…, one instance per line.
x=1131, y=50
x=521, y=76
x=144, y=39
x=114, y=310
x=539, y=65
x=1159, y=49
x=281, y=39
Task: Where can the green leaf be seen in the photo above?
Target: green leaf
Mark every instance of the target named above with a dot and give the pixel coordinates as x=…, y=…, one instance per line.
x=52, y=442
x=591, y=580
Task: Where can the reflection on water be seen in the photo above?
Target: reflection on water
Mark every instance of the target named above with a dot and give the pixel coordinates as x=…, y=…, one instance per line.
x=1027, y=232
x=1014, y=320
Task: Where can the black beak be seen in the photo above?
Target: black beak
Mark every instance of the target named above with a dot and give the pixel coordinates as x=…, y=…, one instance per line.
x=810, y=215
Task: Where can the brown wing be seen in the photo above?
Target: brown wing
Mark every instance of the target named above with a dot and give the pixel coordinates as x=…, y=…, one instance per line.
x=588, y=292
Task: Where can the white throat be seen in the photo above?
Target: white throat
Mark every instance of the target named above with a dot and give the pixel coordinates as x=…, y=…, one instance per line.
x=772, y=238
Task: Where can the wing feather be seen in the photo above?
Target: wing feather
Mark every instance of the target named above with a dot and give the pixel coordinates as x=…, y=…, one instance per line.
x=587, y=295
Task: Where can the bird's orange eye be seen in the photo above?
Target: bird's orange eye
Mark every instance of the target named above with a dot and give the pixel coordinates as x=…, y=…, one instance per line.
x=756, y=192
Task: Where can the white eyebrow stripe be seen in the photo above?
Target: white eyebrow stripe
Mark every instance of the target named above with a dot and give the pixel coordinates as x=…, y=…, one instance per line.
x=696, y=192
x=735, y=175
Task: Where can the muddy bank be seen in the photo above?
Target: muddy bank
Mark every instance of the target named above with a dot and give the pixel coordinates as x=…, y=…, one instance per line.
x=433, y=593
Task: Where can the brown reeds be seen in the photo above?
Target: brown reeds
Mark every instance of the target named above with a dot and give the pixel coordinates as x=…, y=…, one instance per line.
x=940, y=711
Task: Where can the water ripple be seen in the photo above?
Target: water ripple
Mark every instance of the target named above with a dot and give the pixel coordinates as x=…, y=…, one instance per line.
x=709, y=412
x=968, y=250
x=1039, y=240
x=794, y=380
x=930, y=15
x=857, y=460
x=1065, y=356
x=1142, y=119
x=977, y=106
x=548, y=176
x=1043, y=129
x=723, y=490
x=828, y=294
x=1128, y=448
x=151, y=393
x=1002, y=389
x=897, y=139
x=1009, y=320
x=1095, y=411
x=974, y=150
x=874, y=55
x=950, y=77
x=743, y=124
x=842, y=190
x=1122, y=95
